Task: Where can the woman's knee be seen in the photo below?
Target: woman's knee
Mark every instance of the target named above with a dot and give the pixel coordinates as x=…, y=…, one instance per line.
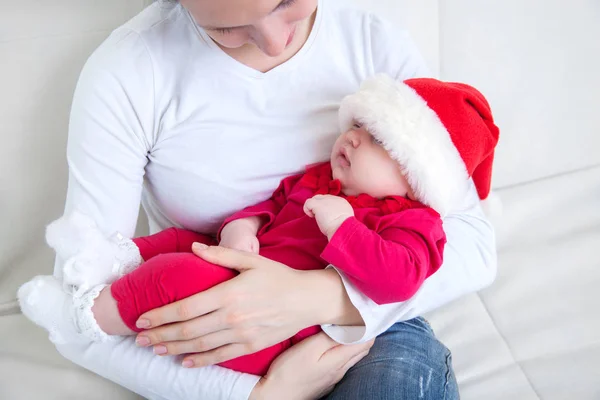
x=406, y=362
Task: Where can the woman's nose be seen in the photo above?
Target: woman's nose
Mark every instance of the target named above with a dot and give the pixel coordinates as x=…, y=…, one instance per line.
x=271, y=37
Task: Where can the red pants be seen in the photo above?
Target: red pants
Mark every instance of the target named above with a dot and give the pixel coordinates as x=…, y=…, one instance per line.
x=171, y=272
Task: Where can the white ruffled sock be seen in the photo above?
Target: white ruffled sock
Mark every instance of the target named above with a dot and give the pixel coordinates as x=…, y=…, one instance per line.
x=67, y=318
x=90, y=257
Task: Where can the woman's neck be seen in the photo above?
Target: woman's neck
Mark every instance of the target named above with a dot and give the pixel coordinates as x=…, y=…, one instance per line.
x=252, y=57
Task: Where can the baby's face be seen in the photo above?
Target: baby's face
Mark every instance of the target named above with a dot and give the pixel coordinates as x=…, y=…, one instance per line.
x=363, y=166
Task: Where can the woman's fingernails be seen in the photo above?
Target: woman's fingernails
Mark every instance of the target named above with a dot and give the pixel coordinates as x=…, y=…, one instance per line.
x=142, y=341
x=142, y=323
x=199, y=246
x=187, y=363
x=160, y=350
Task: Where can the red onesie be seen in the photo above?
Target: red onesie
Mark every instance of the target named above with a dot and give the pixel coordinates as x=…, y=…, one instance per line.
x=387, y=250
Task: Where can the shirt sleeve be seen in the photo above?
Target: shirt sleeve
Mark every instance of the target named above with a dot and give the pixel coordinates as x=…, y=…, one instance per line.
x=157, y=378
x=391, y=264
x=111, y=132
x=469, y=265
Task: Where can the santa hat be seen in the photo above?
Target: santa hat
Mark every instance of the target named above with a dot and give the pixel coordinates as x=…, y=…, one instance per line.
x=440, y=133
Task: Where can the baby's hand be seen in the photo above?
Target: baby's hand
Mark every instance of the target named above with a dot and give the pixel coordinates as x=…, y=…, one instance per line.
x=329, y=211
x=240, y=235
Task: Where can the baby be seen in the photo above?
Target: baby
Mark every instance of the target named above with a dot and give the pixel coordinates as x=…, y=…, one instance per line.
x=374, y=212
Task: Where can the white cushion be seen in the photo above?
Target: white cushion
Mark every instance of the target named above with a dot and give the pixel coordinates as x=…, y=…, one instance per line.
x=537, y=62
x=534, y=333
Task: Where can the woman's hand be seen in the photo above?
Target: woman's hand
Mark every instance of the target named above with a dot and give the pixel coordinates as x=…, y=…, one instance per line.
x=267, y=303
x=309, y=370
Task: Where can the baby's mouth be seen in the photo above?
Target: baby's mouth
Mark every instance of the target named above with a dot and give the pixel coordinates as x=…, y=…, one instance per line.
x=344, y=157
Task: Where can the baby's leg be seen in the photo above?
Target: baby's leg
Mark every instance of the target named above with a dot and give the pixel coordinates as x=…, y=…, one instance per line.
x=172, y=277
x=172, y=240
x=304, y=333
x=91, y=258
x=164, y=279
x=259, y=363
x=168, y=241
x=106, y=314
x=113, y=310
x=103, y=311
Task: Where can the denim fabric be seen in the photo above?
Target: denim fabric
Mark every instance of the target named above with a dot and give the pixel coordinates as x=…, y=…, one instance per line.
x=406, y=363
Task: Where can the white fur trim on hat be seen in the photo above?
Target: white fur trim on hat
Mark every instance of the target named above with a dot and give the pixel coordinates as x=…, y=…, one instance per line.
x=413, y=135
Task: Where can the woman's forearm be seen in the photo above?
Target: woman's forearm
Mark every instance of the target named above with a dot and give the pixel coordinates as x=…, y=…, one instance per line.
x=154, y=377
x=329, y=299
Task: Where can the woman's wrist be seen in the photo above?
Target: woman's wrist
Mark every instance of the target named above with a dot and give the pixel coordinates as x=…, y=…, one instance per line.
x=330, y=303
x=267, y=389
x=259, y=392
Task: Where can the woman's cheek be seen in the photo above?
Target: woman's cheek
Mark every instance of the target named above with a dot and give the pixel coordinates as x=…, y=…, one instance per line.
x=300, y=11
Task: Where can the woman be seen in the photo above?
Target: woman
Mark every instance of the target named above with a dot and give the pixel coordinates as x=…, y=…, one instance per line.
x=199, y=108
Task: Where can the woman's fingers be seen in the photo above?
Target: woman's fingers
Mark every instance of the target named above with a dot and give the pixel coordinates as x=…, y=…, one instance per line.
x=342, y=356
x=228, y=258
x=183, y=310
x=198, y=345
x=319, y=344
x=353, y=361
x=216, y=356
x=184, y=331
x=311, y=368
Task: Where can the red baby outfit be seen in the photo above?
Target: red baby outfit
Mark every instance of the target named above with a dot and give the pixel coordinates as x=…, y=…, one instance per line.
x=387, y=250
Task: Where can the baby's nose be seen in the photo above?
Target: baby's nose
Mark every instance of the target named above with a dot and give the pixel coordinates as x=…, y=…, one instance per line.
x=353, y=138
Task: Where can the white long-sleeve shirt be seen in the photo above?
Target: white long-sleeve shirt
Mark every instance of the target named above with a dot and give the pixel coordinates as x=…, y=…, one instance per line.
x=163, y=116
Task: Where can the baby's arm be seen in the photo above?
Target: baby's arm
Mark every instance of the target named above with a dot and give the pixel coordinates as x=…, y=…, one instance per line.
x=241, y=234
x=329, y=211
x=388, y=265
x=240, y=231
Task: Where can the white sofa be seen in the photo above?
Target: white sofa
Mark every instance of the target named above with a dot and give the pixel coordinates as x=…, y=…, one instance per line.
x=534, y=334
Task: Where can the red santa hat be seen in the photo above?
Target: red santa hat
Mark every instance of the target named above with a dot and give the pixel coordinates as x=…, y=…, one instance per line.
x=440, y=133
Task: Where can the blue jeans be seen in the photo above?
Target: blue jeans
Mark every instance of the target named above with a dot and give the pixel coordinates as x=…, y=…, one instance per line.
x=406, y=363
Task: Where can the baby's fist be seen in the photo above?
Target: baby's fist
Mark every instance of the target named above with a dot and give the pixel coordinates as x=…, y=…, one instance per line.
x=238, y=237
x=329, y=211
